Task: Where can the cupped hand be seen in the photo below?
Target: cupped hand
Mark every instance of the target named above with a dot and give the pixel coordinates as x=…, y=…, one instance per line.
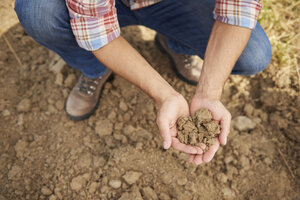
x=169, y=111
x=219, y=113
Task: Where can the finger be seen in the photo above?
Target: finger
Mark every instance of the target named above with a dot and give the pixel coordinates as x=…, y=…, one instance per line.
x=183, y=147
x=191, y=158
x=225, y=129
x=198, y=159
x=173, y=131
x=208, y=156
x=202, y=146
x=164, y=130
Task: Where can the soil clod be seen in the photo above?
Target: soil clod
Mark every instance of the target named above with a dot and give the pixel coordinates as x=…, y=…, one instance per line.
x=199, y=128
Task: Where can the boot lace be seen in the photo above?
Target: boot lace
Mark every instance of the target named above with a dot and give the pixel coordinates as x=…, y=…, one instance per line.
x=88, y=86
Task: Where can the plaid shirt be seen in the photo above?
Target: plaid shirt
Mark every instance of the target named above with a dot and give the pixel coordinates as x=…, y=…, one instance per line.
x=95, y=22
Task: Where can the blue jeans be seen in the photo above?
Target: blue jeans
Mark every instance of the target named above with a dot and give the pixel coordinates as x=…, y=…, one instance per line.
x=186, y=24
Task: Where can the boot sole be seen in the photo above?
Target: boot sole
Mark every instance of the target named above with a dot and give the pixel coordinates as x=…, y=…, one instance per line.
x=173, y=63
x=82, y=117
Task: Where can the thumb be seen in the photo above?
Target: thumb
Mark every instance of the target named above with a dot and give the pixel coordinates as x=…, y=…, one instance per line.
x=164, y=130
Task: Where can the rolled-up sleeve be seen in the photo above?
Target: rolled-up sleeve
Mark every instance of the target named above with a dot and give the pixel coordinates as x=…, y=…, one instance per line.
x=238, y=12
x=94, y=22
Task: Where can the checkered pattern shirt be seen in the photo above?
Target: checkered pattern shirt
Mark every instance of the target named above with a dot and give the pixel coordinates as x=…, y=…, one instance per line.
x=95, y=22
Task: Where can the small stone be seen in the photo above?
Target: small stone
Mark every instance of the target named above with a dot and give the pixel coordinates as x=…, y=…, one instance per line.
x=131, y=177
x=104, y=127
x=164, y=196
x=123, y=106
x=228, y=159
x=85, y=160
x=99, y=161
x=243, y=123
x=46, y=191
x=52, y=197
x=182, y=180
x=244, y=162
x=248, y=109
x=167, y=178
x=222, y=178
x=127, y=117
x=77, y=183
x=24, y=105
x=112, y=115
x=114, y=184
x=14, y=172
x=228, y=193
x=5, y=113
x=93, y=187
x=20, y=148
x=70, y=80
x=268, y=161
x=149, y=193
x=59, y=78
x=60, y=104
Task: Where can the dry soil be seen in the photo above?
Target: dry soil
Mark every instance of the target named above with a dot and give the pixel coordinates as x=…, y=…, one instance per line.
x=117, y=153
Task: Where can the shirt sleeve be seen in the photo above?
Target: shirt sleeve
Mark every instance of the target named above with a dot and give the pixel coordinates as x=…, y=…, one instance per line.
x=238, y=12
x=94, y=22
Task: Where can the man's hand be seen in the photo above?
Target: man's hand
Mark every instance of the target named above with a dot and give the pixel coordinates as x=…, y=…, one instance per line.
x=169, y=111
x=219, y=113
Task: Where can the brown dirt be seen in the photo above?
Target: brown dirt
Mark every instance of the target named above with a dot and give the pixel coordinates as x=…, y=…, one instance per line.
x=199, y=128
x=44, y=155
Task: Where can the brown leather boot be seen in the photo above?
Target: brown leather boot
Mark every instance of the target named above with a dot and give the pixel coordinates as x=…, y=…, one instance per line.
x=187, y=67
x=84, y=97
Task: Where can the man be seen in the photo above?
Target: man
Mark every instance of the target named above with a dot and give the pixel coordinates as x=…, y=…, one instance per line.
x=224, y=33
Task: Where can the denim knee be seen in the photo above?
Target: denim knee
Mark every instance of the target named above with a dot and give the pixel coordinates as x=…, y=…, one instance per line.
x=42, y=19
x=255, y=58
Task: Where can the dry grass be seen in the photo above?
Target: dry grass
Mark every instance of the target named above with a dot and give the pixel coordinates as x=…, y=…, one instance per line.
x=280, y=19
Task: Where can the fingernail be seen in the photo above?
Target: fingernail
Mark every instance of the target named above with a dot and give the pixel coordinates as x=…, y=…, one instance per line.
x=165, y=144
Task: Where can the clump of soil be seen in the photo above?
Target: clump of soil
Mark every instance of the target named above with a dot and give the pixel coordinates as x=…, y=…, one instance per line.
x=199, y=128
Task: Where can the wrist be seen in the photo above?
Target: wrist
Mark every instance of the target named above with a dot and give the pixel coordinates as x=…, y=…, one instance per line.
x=165, y=95
x=208, y=88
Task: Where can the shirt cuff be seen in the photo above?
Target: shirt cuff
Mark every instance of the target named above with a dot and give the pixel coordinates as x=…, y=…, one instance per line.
x=92, y=33
x=238, y=12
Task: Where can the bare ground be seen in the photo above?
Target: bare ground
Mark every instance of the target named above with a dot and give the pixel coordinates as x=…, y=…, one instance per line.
x=117, y=153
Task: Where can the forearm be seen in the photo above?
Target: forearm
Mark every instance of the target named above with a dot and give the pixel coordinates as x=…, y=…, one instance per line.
x=124, y=60
x=225, y=45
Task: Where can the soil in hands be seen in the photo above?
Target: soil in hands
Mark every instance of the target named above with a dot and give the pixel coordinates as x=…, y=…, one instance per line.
x=199, y=128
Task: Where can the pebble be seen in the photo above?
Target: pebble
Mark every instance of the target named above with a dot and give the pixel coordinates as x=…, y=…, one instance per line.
x=131, y=177
x=222, y=178
x=104, y=127
x=112, y=116
x=164, y=196
x=24, y=105
x=248, y=109
x=70, y=80
x=268, y=161
x=14, y=172
x=6, y=113
x=99, y=161
x=123, y=106
x=244, y=162
x=85, y=160
x=182, y=180
x=114, y=184
x=59, y=78
x=93, y=187
x=52, y=197
x=46, y=191
x=60, y=104
x=228, y=193
x=243, y=123
x=77, y=183
x=149, y=193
